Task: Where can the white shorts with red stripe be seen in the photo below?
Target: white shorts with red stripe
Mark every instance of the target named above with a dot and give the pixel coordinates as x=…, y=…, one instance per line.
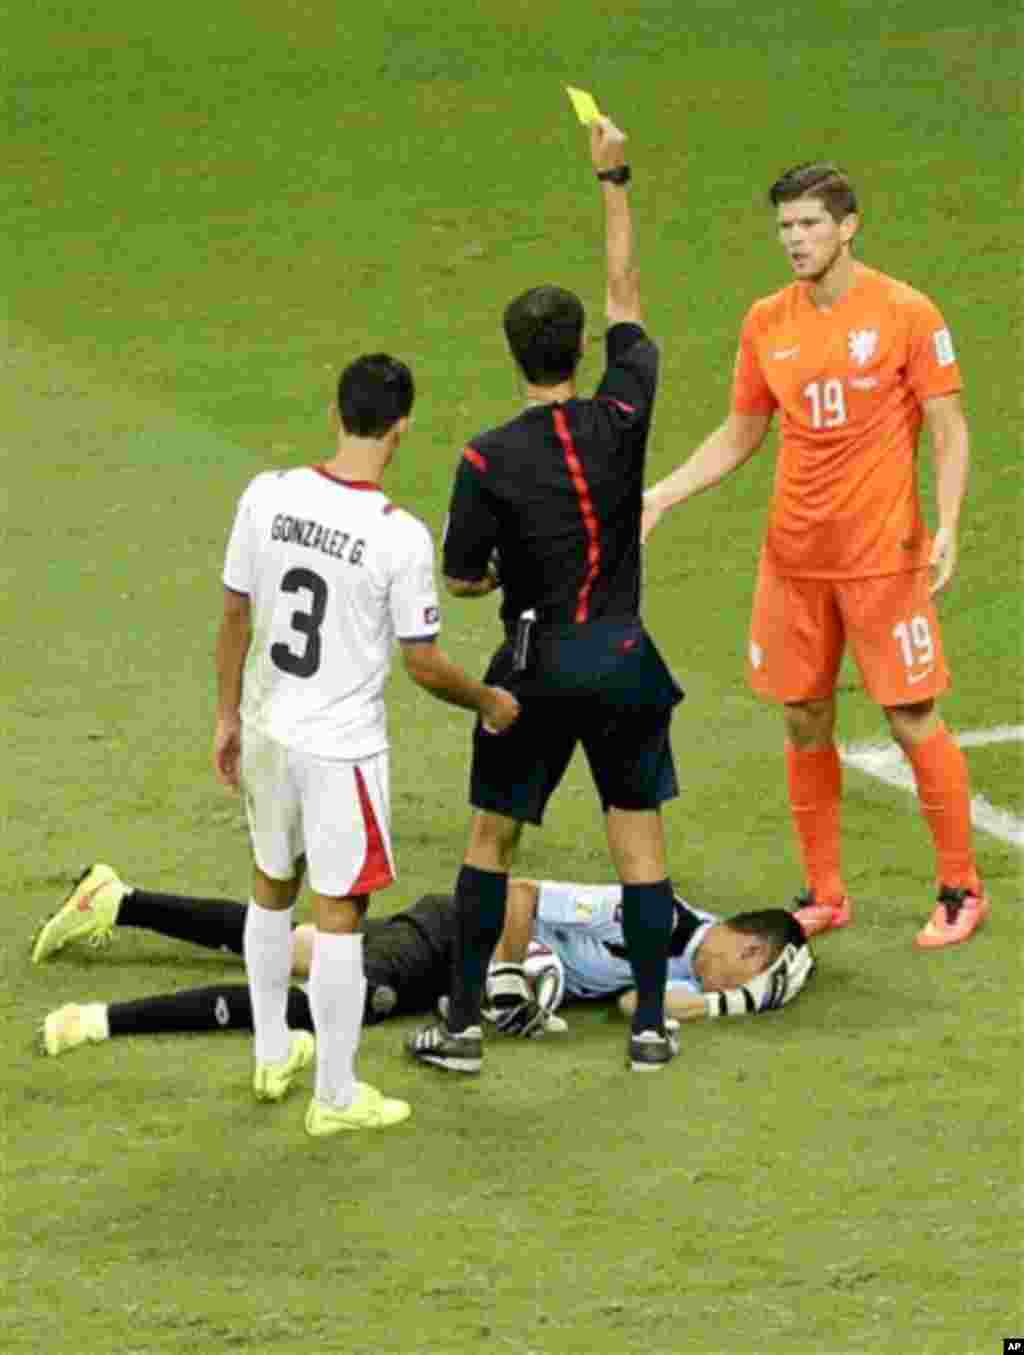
x=335, y=813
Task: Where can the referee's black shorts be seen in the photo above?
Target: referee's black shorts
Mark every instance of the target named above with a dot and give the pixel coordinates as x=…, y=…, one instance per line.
x=602, y=684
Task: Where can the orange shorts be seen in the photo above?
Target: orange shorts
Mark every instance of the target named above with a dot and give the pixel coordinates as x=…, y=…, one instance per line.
x=800, y=628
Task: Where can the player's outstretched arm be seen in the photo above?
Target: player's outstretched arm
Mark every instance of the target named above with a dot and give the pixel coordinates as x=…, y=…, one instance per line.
x=778, y=985
x=520, y=916
x=723, y=451
x=679, y=1004
x=608, y=153
x=430, y=668
x=947, y=430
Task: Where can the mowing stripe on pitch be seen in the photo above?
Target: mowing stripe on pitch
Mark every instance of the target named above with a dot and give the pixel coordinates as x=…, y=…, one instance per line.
x=885, y=762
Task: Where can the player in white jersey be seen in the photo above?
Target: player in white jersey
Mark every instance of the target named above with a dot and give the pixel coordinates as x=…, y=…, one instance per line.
x=322, y=575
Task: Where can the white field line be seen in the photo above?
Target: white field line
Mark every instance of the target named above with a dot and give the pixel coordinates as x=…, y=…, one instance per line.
x=886, y=762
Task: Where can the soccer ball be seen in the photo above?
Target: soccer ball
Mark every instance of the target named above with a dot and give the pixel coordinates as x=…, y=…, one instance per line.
x=545, y=974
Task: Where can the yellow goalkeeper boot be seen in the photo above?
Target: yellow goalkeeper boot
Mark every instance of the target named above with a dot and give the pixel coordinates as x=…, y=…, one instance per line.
x=87, y=914
x=72, y=1025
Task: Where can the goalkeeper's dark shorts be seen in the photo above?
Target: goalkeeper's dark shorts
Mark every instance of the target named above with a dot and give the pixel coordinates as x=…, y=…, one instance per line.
x=601, y=684
x=409, y=954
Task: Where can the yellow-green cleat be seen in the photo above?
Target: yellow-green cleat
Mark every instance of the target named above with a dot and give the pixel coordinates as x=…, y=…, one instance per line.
x=270, y=1081
x=72, y=1025
x=369, y=1110
x=87, y=914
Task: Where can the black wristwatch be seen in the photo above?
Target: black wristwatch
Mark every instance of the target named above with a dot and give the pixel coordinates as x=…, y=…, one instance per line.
x=620, y=175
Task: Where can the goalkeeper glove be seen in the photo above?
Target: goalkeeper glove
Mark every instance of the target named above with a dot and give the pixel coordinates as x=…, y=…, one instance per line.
x=511, y=1007
x=778, y=985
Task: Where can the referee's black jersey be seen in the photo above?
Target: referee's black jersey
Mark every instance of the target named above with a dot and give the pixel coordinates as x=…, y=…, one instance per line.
x=558, y=491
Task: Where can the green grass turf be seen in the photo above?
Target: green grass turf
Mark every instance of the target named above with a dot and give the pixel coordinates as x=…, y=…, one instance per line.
x=1000, y=765
x=210, y=208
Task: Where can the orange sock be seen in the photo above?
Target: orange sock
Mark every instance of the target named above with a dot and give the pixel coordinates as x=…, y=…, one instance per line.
x=943, y=787
x=815, y=787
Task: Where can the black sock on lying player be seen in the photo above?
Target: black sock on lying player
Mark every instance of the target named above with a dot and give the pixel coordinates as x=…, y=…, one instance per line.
x=214, y=923
x=225, y=1006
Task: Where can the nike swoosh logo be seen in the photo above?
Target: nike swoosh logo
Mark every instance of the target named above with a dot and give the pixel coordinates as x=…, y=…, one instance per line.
x=781, y=353
x=919, y=677
x=84, y=904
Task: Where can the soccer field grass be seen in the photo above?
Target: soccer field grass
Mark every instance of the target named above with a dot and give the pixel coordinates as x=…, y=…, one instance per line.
x=210, y=209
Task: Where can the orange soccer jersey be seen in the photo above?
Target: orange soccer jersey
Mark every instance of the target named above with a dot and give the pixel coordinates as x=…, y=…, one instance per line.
x=850, y=382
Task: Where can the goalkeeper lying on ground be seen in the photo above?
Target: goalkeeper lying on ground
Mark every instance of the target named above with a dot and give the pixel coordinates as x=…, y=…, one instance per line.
x=748, y=963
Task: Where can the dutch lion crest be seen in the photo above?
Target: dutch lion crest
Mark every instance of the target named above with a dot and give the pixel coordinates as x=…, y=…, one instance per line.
x=863, y=344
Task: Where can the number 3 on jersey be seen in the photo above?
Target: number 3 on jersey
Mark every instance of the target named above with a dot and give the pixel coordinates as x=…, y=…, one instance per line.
x=828, y=403
x=305, y=662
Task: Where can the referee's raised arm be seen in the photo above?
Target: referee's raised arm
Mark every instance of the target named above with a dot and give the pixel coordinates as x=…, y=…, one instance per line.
x=608, y=152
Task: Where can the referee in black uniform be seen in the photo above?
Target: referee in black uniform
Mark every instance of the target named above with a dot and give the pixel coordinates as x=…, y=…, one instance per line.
x=551, y=502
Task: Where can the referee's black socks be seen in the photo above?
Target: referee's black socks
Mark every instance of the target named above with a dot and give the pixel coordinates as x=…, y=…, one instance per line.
x=647, y=918
x=479, y=921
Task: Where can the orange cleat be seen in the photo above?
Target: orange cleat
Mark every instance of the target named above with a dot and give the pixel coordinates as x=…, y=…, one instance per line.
x=958, y=916
x=817, y=917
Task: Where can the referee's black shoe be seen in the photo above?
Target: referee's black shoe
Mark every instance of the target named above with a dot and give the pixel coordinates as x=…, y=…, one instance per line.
x=650, y=1050
x=458, y=1051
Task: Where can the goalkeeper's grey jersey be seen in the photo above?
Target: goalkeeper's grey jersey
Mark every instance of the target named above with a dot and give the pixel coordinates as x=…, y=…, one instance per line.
x=583, y=925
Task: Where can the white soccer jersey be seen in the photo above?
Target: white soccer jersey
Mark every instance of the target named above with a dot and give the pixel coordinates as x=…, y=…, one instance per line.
x=334, y=573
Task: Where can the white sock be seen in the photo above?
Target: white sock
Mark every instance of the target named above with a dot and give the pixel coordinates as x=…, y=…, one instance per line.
x=337, y=992
x=94, y=1021
x=267, y=946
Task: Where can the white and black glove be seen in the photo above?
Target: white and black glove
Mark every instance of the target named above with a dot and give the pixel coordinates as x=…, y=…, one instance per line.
x=511, y=1006
x=778, y=985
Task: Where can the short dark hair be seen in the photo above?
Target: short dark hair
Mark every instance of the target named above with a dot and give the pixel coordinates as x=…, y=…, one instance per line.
x=775, y=926
x=374, y=392
x=544, y=328
x=816, y=179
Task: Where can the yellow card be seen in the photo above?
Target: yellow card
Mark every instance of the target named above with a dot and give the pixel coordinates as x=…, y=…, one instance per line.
x=586, y=109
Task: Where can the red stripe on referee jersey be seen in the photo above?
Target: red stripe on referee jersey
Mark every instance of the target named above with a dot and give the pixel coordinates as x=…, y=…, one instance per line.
x=376, y=872
x=619, y=404
x=475, y=459
x=590, y=520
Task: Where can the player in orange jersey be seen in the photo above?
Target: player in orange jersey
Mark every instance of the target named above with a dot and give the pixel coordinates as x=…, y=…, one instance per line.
x=854, y=362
